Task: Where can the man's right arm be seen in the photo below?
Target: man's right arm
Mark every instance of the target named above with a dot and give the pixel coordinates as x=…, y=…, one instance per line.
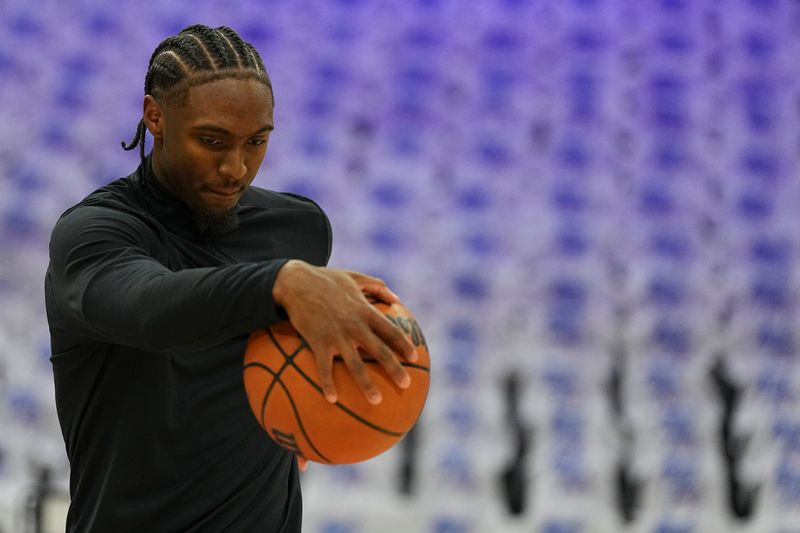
x=105, y=285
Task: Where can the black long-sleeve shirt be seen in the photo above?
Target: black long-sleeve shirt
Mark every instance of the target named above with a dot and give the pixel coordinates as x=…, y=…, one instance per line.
x=148, y=320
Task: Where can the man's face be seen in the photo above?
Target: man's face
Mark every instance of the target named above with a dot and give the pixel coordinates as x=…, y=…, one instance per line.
x=208, y=149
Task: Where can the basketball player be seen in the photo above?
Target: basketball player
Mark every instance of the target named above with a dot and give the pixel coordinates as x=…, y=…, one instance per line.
x=155, y=282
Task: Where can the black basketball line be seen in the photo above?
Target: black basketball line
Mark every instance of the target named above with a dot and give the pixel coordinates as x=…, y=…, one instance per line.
x=269, y=389
x=286, y=360
x=303, y=344
x=345, y=408
x=291, y=402
x=290, y=360
x=404, y=364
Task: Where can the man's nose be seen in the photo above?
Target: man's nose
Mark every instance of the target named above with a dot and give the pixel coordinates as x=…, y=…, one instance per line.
x=232, y=165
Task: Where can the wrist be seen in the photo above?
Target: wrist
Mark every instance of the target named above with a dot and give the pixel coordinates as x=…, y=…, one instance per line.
x=283, y=281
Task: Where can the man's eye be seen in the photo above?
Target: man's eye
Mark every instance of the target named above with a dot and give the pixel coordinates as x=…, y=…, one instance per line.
x=257, y=142
x=210, y=141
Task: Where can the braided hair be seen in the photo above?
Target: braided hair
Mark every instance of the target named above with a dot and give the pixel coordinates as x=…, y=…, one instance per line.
x=197, y=55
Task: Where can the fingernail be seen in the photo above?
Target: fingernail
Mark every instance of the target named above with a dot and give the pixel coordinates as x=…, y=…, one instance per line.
x=405, y=381
x=390, y=291
x=375, y=398
x=413, y=356
x=330, y=397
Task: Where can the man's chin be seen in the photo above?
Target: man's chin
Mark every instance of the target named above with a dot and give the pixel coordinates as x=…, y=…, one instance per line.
x=216, y=221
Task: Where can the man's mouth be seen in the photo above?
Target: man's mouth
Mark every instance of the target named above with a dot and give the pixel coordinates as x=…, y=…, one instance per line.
x=225, y=193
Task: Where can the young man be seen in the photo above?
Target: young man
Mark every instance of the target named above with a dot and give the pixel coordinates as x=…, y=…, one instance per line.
x=155, y=282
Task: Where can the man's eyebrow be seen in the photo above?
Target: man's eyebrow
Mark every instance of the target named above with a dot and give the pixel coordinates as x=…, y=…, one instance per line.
x=223, y=131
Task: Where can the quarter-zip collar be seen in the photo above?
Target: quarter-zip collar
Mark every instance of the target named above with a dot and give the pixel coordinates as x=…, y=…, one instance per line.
x=167, y=208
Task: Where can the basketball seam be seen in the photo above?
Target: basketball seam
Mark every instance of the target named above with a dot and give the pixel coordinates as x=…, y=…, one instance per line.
x=291, y=402
x=403, y=364
x=286, y=360
x=340, y=405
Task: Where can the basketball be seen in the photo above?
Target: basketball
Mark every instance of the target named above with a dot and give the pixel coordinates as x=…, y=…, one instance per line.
x=282, y=386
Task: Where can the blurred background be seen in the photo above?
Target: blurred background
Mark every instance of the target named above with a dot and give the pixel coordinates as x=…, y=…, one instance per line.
x=588, y=204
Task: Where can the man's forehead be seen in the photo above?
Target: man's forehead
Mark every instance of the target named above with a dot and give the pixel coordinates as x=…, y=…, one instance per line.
x=230, y=90
x=229, y=104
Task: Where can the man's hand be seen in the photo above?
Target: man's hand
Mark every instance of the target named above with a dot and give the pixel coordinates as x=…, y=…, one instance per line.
x=329, y=308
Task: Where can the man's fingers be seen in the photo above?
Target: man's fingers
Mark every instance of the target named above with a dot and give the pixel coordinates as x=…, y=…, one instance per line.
x=352, y=358
x=378, y=349
x=374, y=287
x=383, y=294
x=330, y=308
x=325, y=368
x=302, y=463
x=394, y=337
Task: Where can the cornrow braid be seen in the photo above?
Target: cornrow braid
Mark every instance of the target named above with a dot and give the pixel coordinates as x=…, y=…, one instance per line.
x=255, y=58
x=215, y=62
x=237, y=44
x=198, y=54
x=221, y=46
x=199, y=58
x=138, y=139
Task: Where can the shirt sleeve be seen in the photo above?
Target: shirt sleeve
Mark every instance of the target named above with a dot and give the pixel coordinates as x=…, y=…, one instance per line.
x=325, y=219
x=107, y=286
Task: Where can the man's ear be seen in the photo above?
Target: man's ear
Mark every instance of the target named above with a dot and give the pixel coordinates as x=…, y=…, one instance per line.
x=153, y=116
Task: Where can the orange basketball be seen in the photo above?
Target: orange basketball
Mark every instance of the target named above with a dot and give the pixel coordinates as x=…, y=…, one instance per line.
x=282, y=385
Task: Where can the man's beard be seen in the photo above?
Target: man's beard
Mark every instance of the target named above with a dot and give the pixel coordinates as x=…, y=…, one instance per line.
x=216, y=222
